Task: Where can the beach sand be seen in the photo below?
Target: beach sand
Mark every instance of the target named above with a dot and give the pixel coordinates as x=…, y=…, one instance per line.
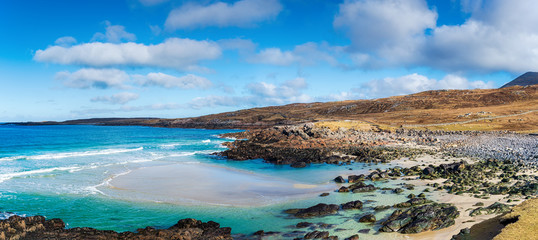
x=208, y=184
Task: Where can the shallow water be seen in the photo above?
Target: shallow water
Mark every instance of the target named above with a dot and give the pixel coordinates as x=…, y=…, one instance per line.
x=85, y=175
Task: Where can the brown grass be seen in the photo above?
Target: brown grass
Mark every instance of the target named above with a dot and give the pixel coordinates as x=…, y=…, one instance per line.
x=526, y=226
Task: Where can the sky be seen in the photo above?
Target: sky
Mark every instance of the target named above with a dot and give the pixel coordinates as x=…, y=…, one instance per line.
x=64, y=59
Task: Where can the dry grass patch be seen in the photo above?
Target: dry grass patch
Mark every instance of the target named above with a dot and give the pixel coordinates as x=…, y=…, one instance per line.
x=526, y=226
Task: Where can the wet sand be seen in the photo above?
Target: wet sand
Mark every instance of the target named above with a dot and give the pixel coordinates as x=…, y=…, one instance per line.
x=189, y=184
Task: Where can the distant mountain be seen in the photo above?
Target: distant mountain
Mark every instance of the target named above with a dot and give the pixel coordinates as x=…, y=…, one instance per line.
x=528, y=78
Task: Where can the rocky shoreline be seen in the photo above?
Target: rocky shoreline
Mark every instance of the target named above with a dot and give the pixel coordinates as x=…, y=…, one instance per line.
x=37, y=227
x=498, y=168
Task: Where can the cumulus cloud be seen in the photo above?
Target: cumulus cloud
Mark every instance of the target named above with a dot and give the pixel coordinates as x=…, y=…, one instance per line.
x=242, y=13
x=305, y=54
x=119, y=98
x=177, y=53
x=498, y=36
x=414, y=83
x=188, y=81
x=93, y=78
x=65, y=41
x=114, y=34
x=392, y=28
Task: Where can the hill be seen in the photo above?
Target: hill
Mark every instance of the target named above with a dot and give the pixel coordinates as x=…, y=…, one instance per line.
x=527, y=79
x=512, y=108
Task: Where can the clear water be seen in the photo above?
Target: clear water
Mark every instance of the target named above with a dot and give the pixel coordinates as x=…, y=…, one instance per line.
x=60, y=171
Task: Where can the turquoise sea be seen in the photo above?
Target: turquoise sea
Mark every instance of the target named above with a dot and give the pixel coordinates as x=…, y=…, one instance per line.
x=66, y=172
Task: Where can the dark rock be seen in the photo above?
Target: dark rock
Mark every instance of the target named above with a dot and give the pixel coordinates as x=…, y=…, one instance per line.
x=370, y=218
x=354, y=237
x=397, y=190
x=343, y=189
x=339, y=179
x=318, y=210
x=428, y=171
x=36, y=227
x=412, y=202
x=352, y=205
x=365, y=231
x=303, y=225
x=298, y=165
x=324, y=194
x=316, y=235
x=421, y=218
x=381, y=207
x=495, y=208
x=361, y=187
x=355, y=178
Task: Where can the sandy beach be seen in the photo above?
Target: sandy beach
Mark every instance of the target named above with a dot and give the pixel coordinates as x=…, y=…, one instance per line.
x=208, y=184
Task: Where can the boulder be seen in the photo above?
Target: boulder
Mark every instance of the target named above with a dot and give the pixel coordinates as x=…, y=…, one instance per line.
x=318, y=210
x=421, y=218
x=352, y=205
x=339, y=179
x=369, y=218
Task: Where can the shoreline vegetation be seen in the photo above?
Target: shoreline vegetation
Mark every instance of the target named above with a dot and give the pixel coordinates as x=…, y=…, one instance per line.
x=478, y=177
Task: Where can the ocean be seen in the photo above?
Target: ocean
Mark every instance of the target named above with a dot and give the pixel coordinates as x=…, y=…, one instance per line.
x=127, y=177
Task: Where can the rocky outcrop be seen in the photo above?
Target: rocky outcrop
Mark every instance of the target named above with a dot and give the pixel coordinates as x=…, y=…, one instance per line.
x=421, y=218
x=301, y=145
x=37, y=227
x=318, y=210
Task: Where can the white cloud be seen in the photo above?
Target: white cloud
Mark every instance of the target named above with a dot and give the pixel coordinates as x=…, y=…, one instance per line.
x=65, y=41
x=152, y=2
x=93, y=78
x=394, y=29
x=119, y=98
x=114, y=34
x=414, y=83
x=259, y=94
x=177, y=53
x=498, y=36
x=242, y=13
x=501, y=35
x=188, y=81
x=304, y=54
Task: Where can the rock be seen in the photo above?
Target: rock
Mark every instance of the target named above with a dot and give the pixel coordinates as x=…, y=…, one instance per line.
x=303, y=225
x=421, y=218
x=298, y=165
x=355, y=178
x=37, y=227
x=316, y=235
x=495, y=208
x=397, y=190
x=428, y=171
x=361, y=187
x=353, y=237
x=365, y=231
x=369, y=218
x=339, y=179
x=325, y=194
x=343, y=189
x=381, y=207
x=352, y=205
x=412, y=202
x=411, y=196
x=318, y=210
x=464, y=234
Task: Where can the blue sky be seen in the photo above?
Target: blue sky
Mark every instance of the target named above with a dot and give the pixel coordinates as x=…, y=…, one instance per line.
x=170, y=58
